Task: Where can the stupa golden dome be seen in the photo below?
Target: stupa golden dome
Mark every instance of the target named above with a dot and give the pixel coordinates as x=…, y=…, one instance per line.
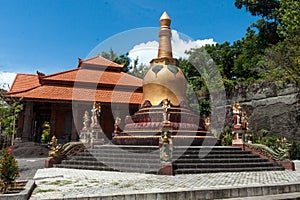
x=164, y=80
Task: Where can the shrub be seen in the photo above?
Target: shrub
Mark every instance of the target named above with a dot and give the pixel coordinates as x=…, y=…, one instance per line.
x=45, y=133
x=9, y=169
x=295, y=151
x=226, y=139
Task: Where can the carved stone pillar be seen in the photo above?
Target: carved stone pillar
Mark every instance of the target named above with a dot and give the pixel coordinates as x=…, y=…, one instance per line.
x=166, y=151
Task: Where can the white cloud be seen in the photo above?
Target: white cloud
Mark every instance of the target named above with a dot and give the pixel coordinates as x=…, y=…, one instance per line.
x=145, y=52
x=6, y=79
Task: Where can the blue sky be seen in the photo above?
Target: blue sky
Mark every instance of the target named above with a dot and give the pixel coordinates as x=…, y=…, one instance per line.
x=49, y=35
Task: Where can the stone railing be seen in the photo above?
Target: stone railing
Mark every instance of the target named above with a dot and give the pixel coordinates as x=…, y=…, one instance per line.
x=263, y=150
x=279, y=157
x=57, y=152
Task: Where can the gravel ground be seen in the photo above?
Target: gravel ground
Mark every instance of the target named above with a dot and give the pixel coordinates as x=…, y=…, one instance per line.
x=31, y=157
x=29, y=166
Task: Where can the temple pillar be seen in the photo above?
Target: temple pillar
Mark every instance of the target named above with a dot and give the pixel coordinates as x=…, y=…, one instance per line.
x=28, y=122
x=53, y=120
x=74, y=136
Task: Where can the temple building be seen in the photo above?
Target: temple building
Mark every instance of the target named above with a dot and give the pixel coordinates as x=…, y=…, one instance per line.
x=62, y=98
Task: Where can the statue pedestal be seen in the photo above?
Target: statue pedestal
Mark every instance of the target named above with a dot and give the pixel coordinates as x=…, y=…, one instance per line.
x=238, y=138
x=50, y=161
x=97, y=137
x=166, y=169
x=85, y=136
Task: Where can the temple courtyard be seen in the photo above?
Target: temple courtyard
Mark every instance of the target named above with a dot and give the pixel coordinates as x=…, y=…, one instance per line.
x=57, y=183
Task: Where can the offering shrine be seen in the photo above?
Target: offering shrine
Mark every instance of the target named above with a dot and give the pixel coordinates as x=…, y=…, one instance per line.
x=240, y=129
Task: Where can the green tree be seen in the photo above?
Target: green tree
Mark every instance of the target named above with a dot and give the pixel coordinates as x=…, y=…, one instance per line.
x=204, y=80
x=122, y=59
x=131, y=67
x=282, y=61
x=139, y=70
x=9, y=110
x=289, y=18
x=223, y=55
x=270, y=48
x=264, y=8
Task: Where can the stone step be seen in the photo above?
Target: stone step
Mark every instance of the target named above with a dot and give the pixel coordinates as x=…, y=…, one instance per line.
x=222, y=165
x=175, y=151
x=221, y=160
x=126, y=147
x=127, y=155
x=216, y=170
x=212, y=152
x=199, y=156
x=116, y=159
x=106, y=168
x=90, y=167
x=111, y=146
x=114, y=162
x=119, y=155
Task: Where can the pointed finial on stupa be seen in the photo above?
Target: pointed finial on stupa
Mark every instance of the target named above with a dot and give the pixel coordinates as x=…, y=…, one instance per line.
x=164, y=55
x=165, y=20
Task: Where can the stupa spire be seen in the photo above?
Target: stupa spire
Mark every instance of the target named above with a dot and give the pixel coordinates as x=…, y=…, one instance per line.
x=165, y=47
x=164, y=54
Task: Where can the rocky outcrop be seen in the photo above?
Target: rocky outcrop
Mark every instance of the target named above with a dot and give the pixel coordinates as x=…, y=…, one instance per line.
x=270, y=106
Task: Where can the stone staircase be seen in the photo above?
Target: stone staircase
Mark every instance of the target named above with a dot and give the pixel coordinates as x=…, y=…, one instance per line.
x=141, y=159
x=186, y=160
x=219, y=159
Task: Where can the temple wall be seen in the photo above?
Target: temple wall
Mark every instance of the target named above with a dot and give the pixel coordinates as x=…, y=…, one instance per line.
x=270, y=106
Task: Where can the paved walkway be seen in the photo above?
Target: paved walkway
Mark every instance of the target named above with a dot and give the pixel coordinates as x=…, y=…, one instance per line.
x=57, y=183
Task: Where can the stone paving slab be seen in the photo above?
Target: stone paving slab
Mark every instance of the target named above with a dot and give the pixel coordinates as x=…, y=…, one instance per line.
x=59, y=183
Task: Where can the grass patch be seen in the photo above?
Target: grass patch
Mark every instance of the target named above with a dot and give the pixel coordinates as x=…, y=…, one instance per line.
x=58, y=182
x=127, y=185
x=116, y=183
x=81, y=185
x=94, y=181
x=44, y=191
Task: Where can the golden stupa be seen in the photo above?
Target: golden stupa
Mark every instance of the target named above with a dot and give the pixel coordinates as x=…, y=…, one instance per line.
x=164, y=80
x=164, y=86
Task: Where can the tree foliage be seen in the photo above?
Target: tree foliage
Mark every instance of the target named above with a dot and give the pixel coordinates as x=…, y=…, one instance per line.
x=282, y=60
x=270, y=48
x=268, y=51
x=131, y=67
x=264, y=8
x=122, y=59
x=9, y=110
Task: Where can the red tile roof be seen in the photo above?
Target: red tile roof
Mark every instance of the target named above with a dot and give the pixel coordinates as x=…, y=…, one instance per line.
x=24, y=82
x=95, y=76
x=99, y=61
x=113, y=86
x=48, y=92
